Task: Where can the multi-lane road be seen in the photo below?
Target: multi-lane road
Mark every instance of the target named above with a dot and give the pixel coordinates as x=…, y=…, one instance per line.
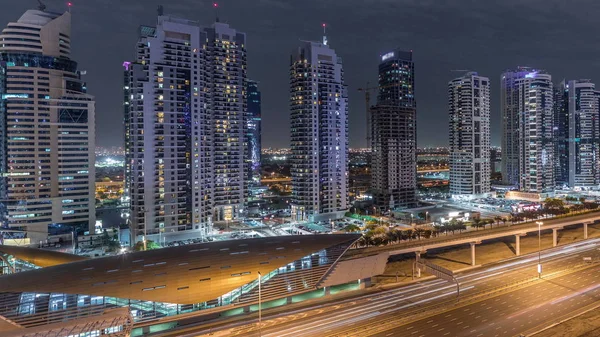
x=429, y=308
x=511, y=314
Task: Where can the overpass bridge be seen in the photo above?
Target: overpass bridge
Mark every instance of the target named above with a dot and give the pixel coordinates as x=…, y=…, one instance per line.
x=476, y=237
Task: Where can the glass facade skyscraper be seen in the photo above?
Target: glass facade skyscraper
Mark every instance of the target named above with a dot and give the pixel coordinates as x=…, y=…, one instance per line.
x=577, y=134
x=253, y=134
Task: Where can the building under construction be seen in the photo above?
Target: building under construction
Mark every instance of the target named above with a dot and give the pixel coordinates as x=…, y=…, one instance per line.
x=393, y=133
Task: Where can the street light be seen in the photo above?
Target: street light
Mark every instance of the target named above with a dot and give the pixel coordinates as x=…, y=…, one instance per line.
x=259, y=306
x=539, y=223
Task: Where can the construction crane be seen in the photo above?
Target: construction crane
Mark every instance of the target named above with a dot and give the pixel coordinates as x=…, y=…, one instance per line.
x=367, y=89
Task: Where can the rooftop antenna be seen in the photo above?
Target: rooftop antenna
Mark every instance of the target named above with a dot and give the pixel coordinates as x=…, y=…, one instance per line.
x=324, y=34
x=160, y=10
x=69, y=5
x=216, y=7
x=41, y=5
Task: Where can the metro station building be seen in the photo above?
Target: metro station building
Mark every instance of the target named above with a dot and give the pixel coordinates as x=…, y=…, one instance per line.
x=112, y=295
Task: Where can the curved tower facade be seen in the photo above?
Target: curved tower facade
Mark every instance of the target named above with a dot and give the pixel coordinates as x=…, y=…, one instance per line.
x=47, y=129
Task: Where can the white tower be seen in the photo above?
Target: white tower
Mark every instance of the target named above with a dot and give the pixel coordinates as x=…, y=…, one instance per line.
x=47, y=133
x=469, y=112
x=319, y=132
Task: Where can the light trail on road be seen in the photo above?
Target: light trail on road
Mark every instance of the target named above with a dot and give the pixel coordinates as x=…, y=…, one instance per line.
x=326, y=319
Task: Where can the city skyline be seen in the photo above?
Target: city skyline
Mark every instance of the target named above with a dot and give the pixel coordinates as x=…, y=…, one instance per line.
x=270, y=39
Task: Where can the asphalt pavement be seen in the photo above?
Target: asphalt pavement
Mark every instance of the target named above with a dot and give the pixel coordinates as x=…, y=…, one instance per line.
x=389, y=313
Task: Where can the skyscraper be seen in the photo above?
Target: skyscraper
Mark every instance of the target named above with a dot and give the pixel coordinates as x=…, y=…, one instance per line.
x=527, y=129
x=226, y=69
x=47, y=129
x=186, y=110
x=319, y=133
x=253, y=136
x=561, y=135
x=394, y=133
x=578, y=140
x=469, y=111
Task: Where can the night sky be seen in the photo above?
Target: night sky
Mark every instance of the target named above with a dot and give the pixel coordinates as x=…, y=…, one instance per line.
x=487, y=36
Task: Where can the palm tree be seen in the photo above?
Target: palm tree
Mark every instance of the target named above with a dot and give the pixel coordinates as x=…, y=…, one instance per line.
x=392, y=236
x=419, y=232
x=497, y=218
x=427, y=233
x=477, y=223
x=437, y=229
x=350, y=228
x=460, y=226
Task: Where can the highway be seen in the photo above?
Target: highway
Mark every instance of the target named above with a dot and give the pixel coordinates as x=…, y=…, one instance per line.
x=513, y=313
x=392, y=312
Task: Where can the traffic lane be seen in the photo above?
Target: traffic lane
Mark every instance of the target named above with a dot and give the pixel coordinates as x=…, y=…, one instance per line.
x=510, y=271
x=356, y=317
x=511, y=313
x=324, y=320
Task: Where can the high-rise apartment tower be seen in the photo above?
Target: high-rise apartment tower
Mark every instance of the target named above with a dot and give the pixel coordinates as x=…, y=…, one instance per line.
x=577, y=134
x=527, y=109
x=319, y=133
x=47, y=129
x=469, y=112
x=186, y=114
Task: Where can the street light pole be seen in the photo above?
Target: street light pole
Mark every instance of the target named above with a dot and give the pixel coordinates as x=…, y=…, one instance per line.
x=539, y=223
x=259, y=306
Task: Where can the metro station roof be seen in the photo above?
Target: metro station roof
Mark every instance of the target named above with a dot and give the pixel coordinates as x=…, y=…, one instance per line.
x=182, y=275
x=40, y=257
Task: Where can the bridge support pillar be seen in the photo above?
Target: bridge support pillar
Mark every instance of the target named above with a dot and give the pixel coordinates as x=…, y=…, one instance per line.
x=418, y=259
x=585, y=230
x=517, y=244
x=288, y=300
x=473, y=253
x=554, y=237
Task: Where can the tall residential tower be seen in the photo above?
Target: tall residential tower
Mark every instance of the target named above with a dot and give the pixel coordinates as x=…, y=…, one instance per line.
x=319, y=132
x=577, y=134
x=526, y=104
x=469, y=111
x=394, y=133
x=186, y=113
x=47, y=129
